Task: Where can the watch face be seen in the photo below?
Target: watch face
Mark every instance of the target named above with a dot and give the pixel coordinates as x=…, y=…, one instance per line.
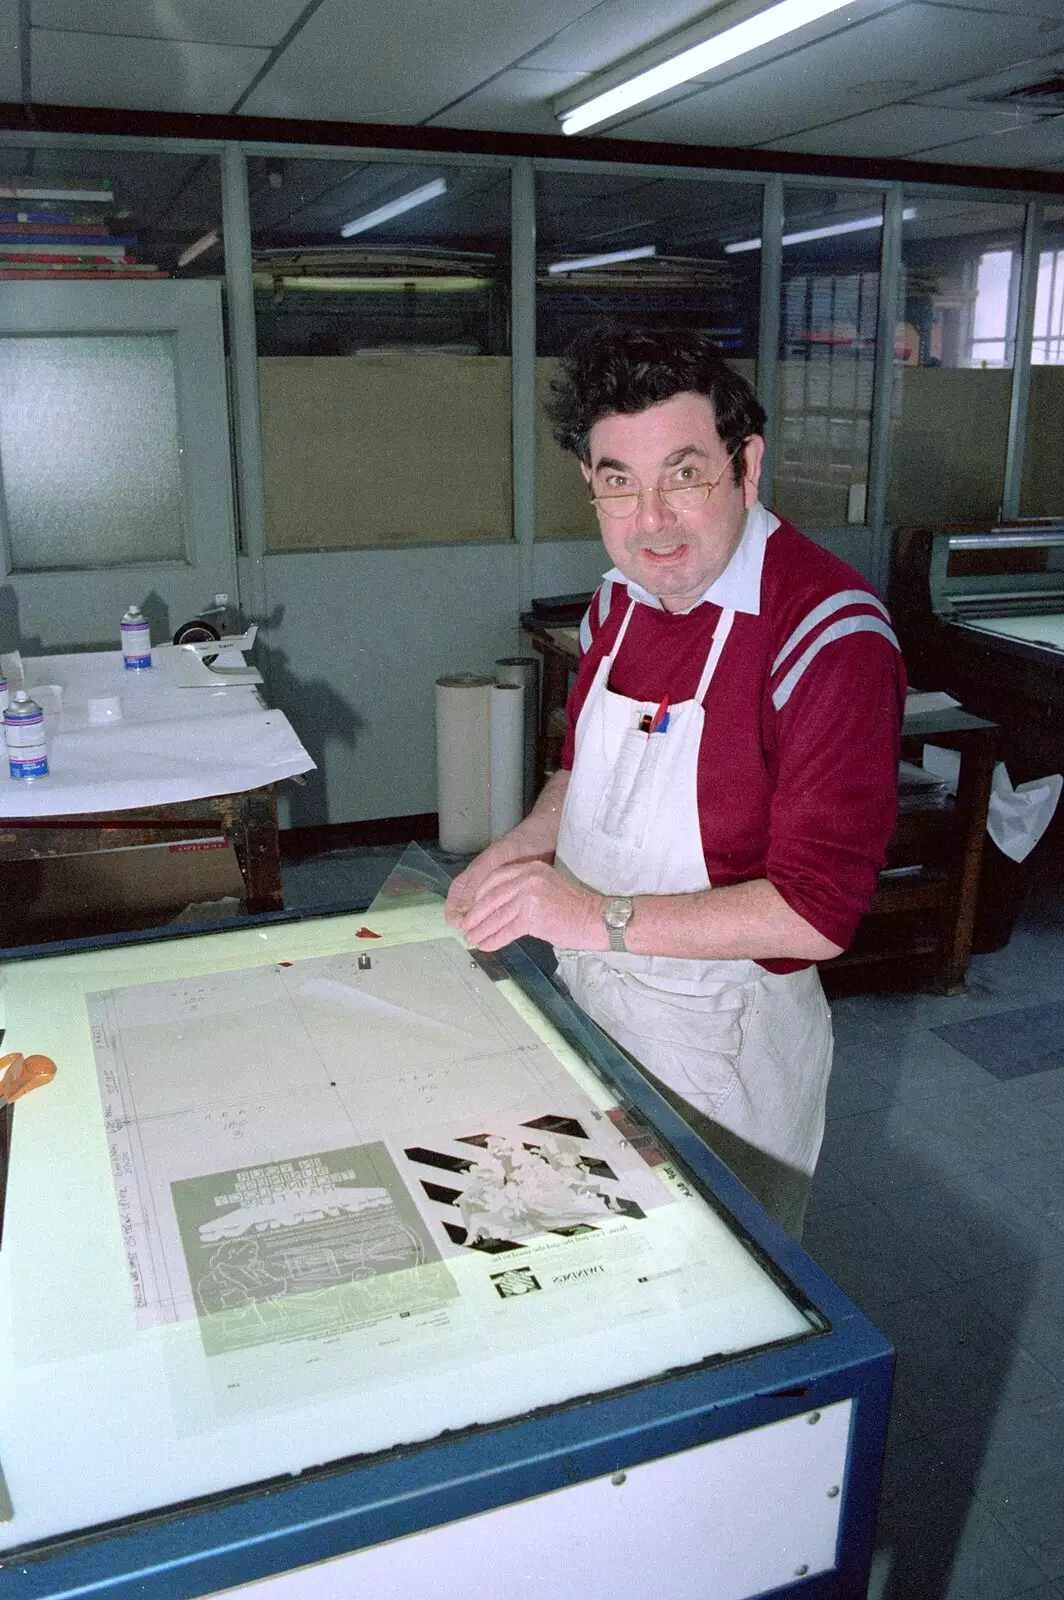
x=617, y=913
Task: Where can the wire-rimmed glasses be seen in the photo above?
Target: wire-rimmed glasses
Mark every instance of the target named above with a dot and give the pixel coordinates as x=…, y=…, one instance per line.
x=678, y=497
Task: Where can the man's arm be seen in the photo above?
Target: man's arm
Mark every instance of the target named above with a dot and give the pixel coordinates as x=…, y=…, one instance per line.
x=534, y=839
x=744, y=920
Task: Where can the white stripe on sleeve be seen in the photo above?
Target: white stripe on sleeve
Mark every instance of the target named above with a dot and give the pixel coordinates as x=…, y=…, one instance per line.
x=604, y=597
x=585, y=632
x=834, y=602
x=838, y=630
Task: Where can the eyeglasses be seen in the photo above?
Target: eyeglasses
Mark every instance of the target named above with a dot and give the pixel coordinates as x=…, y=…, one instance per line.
x=678, y=497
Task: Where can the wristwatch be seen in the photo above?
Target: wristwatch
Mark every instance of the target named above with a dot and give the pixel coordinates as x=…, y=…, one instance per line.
x=617, y=914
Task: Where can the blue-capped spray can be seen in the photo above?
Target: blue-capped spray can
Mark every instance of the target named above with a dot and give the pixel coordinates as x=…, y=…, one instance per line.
x=27, y=753
x=136, y=641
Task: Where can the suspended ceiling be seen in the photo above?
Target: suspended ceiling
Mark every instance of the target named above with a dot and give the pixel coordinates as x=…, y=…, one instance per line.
x=920, y=80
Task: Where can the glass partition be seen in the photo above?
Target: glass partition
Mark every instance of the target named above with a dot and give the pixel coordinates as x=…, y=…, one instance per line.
x=93, y=447
x=381, y=308
x=85, y=212
x=830, y=302
x=636, y=249
x=954, y=350
x=1042, y=492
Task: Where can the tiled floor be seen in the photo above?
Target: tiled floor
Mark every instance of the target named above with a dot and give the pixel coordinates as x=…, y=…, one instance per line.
x=939, y=1207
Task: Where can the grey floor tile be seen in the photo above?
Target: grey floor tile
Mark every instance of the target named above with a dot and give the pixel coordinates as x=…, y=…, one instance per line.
x=1035, y=1181
x=901, y=1147
x=852, y=1088
x=973, y=1224
x=918, y=1065
x=1029, y=1302
x=1014, y=1043
x=859, y=1016
x=872, y=1262
x=935, y=1543
x=996, y=1458
x=831, y=1190
x=957, y=1365
x=1031, y=1510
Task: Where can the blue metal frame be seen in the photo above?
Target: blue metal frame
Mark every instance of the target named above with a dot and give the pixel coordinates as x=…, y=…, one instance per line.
x=274, y=1526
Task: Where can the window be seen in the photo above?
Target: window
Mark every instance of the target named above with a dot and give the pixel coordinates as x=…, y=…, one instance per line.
x=993, y=308
x=381, y=311
x=954, y=348
x=1042, y=487
x=636, y=250
x=830, y=287
x=1047, y=347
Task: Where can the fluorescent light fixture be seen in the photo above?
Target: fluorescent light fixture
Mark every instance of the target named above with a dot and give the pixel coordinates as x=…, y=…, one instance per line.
x=829, y=231
x=347, y=285
x=739, y=40
x=11, y=189
x=197, y=247
x=638, y=253
x=395, y=208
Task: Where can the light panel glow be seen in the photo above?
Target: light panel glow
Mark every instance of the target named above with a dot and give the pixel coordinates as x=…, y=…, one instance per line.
x=395, y=208
x=739, y=40
x=637, y=253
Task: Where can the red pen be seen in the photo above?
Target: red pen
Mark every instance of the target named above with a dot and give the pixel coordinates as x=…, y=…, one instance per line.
x=660, y=716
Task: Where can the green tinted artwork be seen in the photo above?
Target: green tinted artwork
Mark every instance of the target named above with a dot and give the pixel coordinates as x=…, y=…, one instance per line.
x=310, y=1247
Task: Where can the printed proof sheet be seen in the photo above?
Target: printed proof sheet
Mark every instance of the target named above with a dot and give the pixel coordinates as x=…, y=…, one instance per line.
x=306, y=1149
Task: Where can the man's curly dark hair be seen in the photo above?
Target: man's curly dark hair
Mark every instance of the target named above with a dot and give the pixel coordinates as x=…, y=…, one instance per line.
x=626, y=370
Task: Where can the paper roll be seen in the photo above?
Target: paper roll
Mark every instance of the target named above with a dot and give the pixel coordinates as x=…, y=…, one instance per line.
x=507, y=757
x=525, y=670
x=463, y=762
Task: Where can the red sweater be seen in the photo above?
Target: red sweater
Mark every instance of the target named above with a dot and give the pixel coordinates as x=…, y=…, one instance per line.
x=797, y=776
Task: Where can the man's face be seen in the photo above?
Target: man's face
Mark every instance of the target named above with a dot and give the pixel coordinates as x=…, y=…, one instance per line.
x=675, y=554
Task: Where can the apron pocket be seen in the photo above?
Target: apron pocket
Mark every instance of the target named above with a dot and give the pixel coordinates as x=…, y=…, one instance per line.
x=623, y=811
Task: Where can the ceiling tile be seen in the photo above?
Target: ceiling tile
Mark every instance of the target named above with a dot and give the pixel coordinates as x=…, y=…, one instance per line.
x=246, y=22
x=72, y=69
x=901, y=130
x=914, y=49
x=977, y=90
x=345, y=64
x=611, y=30
x=10, y=64
x=518, y=101
x=1040, y=144
x=1048, y=10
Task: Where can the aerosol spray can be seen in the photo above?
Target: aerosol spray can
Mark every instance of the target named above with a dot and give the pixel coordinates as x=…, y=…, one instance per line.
x=136, y=641
x=3, y=694
x=27, y=753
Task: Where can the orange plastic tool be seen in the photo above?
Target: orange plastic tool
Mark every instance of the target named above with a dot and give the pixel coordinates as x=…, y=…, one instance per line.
x=23, y=1073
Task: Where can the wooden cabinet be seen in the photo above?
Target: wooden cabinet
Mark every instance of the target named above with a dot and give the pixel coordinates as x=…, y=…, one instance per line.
x=919, y=926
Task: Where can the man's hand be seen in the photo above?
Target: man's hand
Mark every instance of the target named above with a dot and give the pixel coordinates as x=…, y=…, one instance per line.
x=529, y=897
x=464, y=889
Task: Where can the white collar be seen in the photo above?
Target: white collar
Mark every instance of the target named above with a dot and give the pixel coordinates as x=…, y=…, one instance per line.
x=739, y=586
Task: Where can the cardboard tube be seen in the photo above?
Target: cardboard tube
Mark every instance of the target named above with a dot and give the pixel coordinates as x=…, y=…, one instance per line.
x=507, y=757
x=463, y=762
x=525, y=670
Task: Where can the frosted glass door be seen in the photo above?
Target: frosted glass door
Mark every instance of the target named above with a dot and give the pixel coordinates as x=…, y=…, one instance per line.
x=115, y=481
x=91, y=451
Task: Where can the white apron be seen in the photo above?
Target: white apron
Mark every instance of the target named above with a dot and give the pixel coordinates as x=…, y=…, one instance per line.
x=744, y=1054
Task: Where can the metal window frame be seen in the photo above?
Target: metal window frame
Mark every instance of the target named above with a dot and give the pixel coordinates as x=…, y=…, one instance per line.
x=233, y=155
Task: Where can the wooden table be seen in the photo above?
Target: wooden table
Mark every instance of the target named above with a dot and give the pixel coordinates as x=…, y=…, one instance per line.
x=248, y=820
x=940, y=893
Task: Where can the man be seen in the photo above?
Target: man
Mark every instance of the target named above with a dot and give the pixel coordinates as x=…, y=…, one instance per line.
x=728, y=784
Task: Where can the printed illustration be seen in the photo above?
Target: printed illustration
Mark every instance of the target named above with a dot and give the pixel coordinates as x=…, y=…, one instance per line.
x=313, y=1246
x=543, y=1177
